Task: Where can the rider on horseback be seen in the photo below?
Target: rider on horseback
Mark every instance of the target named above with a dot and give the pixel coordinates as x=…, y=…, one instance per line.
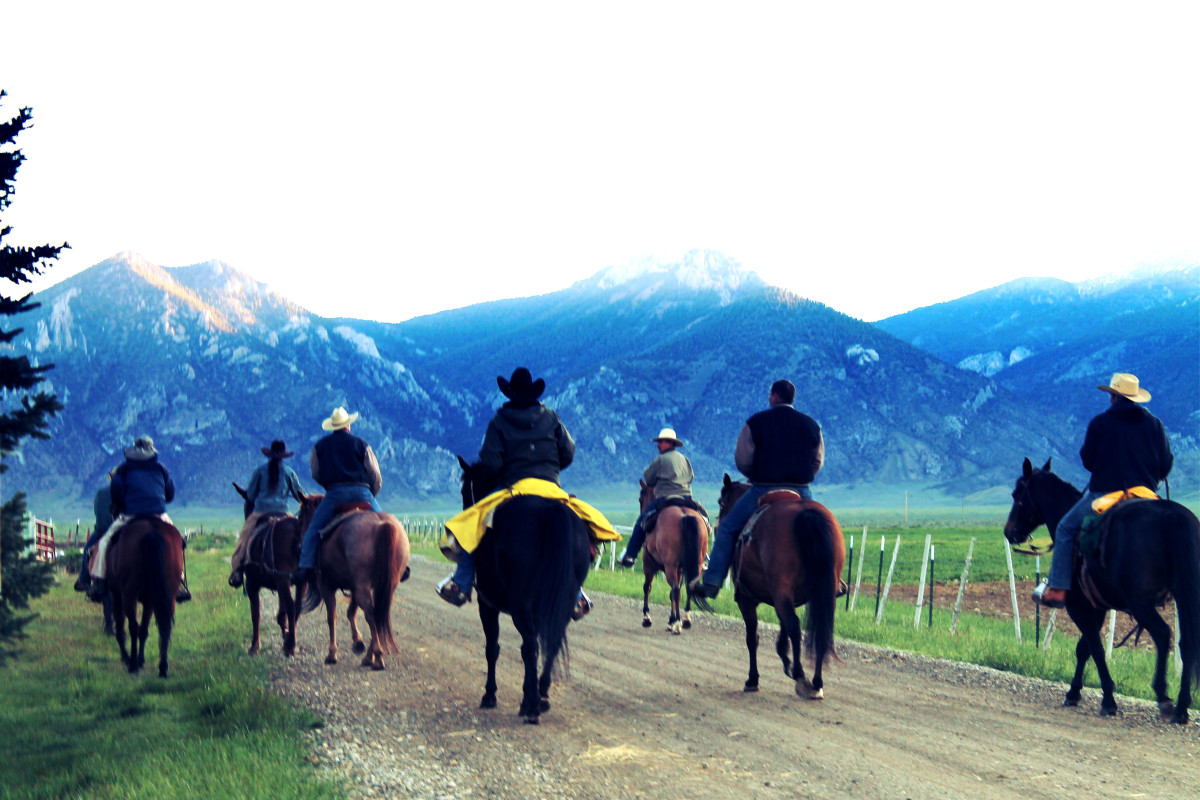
x=345, y=466
x=670, y=476
x=780, y=448
x=271, y=486
x=1125, y=446
x=102, y=509
x=140, y=487
x=524, y=440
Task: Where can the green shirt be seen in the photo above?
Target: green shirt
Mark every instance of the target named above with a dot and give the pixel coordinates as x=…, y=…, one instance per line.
x=670, y=475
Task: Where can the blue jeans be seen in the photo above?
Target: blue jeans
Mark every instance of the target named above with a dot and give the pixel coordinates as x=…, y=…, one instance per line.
x=732, y=524
x=637, y=536
x=335, y=496
x=1062, y=561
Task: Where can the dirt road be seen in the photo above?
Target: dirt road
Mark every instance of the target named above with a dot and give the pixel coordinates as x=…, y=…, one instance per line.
x=648, y=715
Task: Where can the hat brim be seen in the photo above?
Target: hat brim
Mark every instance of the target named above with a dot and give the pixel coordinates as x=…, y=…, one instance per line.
x=330, y=425
x=521, y=394
x=1142, y=395
x=138, y=454
x=675, y=442
x=266, y=451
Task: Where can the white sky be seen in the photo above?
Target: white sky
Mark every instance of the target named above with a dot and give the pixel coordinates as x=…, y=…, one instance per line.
x=389, y=159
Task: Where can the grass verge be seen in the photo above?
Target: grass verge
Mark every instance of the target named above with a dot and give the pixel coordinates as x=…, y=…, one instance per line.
x=82, y=727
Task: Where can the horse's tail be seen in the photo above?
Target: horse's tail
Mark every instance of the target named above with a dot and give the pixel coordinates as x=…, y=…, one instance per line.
x=554, y=595
x=153, y=552
x=814, y=538
x=385, y=581
x=689, y=532
x=1184, y=542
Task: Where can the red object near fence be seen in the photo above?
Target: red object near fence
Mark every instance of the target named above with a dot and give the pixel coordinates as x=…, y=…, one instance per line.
x=43, y=540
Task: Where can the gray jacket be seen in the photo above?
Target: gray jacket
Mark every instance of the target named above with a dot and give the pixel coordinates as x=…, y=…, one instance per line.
x=670, y=475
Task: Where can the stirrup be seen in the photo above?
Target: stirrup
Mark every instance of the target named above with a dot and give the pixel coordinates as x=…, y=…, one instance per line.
x=448, y=590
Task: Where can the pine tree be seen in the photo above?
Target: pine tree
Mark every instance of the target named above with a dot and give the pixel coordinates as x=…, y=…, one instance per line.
x=21, y=416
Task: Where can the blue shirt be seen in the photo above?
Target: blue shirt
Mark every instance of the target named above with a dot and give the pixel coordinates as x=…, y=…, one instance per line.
x=272, y=501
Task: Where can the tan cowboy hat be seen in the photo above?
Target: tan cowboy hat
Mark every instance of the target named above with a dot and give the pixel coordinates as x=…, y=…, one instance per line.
x=1125, y=385
x=668, y=435
x=277, y=450
x=339, y=419
x=142, y=450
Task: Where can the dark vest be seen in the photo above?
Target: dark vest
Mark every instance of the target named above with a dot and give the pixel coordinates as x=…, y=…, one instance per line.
x=340, y=457
x=785, y=442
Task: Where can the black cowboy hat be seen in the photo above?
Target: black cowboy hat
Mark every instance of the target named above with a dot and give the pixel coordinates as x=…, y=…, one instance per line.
x=277, y=450
x=521, y=387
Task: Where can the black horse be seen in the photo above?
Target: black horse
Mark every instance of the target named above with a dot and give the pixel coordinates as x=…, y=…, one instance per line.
x=530, y=565
x=1151, y=548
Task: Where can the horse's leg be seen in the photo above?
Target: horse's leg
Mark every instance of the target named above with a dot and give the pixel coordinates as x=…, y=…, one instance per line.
x=489, y=616
x=790, y=621
x=360, y=597
x=646, y=595
x=252, y=588
x=287, y=610
x=118, y=611
x=749, y=609
x=674, y=578
x=356, y=641
x=522, y=617
x=1088, y=620
x=144, y=633
x=687, y=611
x=108, y=615
x=1160, y=632
x=1184, y=701
x=330, y=598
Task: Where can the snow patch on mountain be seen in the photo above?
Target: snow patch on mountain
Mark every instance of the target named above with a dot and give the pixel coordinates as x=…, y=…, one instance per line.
x=363, y=343
x=861, y=355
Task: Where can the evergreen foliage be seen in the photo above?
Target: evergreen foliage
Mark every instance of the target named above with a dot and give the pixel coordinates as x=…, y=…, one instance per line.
x=23, y=416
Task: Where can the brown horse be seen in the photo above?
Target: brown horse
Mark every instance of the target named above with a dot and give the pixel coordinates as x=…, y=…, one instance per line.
x=366, y=555
x=271, y=559
x=144, y=565
x=793, y=558
x=675, y=547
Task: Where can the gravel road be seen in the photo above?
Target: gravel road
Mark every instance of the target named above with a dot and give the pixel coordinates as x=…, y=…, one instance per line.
x=644, y=714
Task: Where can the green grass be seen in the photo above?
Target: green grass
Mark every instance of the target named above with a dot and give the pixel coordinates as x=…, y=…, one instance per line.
x=85, y=728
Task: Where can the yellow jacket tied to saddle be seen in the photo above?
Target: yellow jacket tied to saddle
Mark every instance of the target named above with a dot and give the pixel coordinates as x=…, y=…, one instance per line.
x=1105, y=502
x=468, y=527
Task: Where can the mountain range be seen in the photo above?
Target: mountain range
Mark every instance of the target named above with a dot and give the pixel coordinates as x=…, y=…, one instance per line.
x=214, y=365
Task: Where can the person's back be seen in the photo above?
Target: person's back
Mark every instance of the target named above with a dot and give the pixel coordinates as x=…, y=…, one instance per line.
x=1126, y=446
x=526, y=441
x=142, y=487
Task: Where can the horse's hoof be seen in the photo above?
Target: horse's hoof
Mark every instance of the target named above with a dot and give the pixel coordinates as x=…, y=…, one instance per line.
x=330, y=659
x=646, y=622
x=253, y=650
x=1166, y=709
x=1108, y=711
x=378, y=667
x=1071, y=700
x=531, y=719
x=488, y=701
x=1180, y=717
x=687, y=624
x=358, y=648
x=750, y=687
x=676, y=629
x=543, y=705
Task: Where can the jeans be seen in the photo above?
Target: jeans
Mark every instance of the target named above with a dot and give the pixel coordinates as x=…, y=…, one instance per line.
x=1062, y=561
x=638, y=536
x=338, y=495
x=732, y=524
x=87, y=549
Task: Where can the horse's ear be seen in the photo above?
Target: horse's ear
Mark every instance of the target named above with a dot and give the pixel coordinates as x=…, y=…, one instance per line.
x=239, y=489
x=1027, y=468
x=462, y=462
x=727, y=481
x=1047, y=467
x=641, y=483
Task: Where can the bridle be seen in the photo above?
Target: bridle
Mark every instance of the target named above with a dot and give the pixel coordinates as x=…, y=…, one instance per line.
x=1019, y=502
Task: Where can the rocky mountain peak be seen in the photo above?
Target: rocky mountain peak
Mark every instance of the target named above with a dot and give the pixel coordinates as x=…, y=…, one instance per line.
x=697, y=271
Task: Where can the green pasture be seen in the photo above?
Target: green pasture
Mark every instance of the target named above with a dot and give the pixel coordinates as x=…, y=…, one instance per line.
x=81, y=727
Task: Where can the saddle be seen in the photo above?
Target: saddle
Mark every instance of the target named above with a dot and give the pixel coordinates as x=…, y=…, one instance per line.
x=341, y=514
x=1093, y=533
x=765, y=502
x=678, y=502
x=262, y=541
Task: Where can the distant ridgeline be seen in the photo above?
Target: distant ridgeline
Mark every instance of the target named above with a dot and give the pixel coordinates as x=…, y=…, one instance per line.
x=214, y=365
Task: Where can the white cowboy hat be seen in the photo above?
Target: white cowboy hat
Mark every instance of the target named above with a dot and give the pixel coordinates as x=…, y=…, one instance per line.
x=668, y=435
x=1125, y=385
x=142, y=450
x=339, y=419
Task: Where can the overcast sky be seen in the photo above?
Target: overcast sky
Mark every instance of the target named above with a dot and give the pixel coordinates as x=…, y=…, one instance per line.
x=385, y=160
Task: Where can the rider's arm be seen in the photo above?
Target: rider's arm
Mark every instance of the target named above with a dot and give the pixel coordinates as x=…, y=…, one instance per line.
x=743, y=454
x=566, y=446
x=373, y=470
x=169, y=487
x=818, y=456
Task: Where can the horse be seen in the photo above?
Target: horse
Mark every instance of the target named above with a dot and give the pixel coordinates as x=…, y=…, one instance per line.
x=1151, y=548
x=144, y=565
x=270, y=559
x=675, y=547
x=366, y=554
x=793, y=558
x=531, y=566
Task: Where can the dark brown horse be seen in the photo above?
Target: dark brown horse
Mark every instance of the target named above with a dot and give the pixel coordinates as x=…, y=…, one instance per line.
x=793, y=558
x=144, y=565
x=270, y=559
x=530, y=565
x=1149, y=549
x=366, y=555
x=675, y=547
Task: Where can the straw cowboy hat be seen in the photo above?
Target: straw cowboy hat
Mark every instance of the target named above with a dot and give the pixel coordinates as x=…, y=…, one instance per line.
x=521, y=387
x=668, y=435
x=339, y=419
x=1125, y=385
x=277, y=450
x=142, y=450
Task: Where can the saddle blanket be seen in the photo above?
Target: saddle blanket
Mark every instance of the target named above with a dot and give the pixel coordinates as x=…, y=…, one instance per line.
x=467, y=527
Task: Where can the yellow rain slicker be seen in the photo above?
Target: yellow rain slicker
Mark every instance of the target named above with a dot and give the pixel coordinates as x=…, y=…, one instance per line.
x=1105, y=502
x=468, y=527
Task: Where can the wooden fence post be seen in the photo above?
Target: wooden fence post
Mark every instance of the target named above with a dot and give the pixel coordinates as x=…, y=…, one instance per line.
x=921, y=583
x=1049, y=628
x=861, y=559
x=962, y=585
x=1112, y=632
x=1012, y=589
x=887, y=586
